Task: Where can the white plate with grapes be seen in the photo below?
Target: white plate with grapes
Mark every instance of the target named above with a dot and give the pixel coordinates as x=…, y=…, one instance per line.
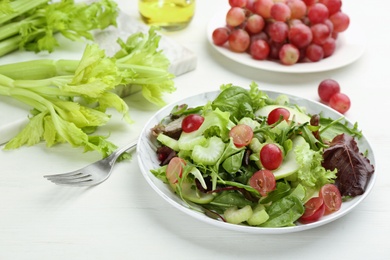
x=350, y=46
x=236, y=191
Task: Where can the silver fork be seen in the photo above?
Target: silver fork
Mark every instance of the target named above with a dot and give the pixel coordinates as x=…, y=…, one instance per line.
x=92, y=174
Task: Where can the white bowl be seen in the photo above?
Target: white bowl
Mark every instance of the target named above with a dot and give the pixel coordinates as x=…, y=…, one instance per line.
x=147, y=159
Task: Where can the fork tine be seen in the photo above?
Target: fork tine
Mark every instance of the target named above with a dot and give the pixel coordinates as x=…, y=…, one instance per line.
x=67, y=176
x=87, y=182
x=62, y=175
x=71, y=178
x=82, y=179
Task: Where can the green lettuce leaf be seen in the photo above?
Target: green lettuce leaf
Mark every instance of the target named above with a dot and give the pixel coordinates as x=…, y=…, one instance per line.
x=311, y=173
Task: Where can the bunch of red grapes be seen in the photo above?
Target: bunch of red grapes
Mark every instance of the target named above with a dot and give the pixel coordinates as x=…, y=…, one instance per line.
x=290, y=31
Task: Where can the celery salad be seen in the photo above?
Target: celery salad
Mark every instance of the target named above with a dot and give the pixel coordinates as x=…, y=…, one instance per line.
x=248, y=159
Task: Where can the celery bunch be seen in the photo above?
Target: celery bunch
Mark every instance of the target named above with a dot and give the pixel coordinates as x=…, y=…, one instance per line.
x=70, y=98
x=32, y=24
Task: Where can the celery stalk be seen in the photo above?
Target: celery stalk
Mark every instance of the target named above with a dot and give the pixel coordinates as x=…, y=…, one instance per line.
x=33, y=24
x=70, y=97
x=39, y=69
x=143, y=65
x=13, y=28
x=9, y=45
x=20, y=7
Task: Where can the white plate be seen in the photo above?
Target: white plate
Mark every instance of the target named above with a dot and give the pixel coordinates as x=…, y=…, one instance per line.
x=147, y=160
x=350, y=46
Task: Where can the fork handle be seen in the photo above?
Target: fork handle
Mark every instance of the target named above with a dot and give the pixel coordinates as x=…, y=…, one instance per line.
x=114, y=155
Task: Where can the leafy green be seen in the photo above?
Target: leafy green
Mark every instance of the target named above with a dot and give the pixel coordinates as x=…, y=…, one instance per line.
x=239, y=102
x=311, y=173
x=228, y=199
x=284, y=212
x=160, y=173
x=233, y=163
x=283, y=188
x=331, y=128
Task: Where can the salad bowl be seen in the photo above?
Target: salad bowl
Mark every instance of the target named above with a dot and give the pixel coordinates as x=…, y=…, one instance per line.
x=147, y=160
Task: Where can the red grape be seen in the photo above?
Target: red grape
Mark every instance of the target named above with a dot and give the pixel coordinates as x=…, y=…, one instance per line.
x=309, y=2
x=280, y=12
x=263, y=8
x=320, y=33
x=327, y=88
x=340, y=21
x=332, y=198
x=277, y=113
x=191, y=123
x=220, y=36
x=314, y=52
x=329, y=46
x=271, y=156
x=255, y=23
x=332, y=5
x=239, y=40
x=237, y=3
x=241, y=134
x=300, y=35
x=318, y=13
x=340, y=102
x=288, y=54
x=263, y=181
x=235, y=16
x=259, y=49
x=298, y=8
x=278, y=31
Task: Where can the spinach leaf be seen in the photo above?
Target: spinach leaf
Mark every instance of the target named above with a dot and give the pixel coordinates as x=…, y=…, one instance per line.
x=283, y=188
x=233, y=163
x=284, y=212
x=235, y=100
x=228, y=199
